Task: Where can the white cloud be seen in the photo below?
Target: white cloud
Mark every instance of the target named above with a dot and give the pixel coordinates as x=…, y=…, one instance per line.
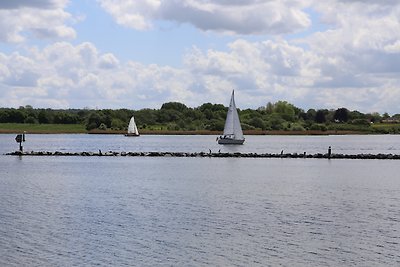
x=63, y=75
x=42, y=19
x=133, y=14
x=18, y=71
x=355, y=26
x=358, y=56
x=353, y=61
x=108, y=61
x=393, y=48
x=238, y=17
x=257, y=66
x=79, y=76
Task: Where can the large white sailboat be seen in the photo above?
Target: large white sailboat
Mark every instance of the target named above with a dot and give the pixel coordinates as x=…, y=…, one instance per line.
x=233, y=134
x=132, y=128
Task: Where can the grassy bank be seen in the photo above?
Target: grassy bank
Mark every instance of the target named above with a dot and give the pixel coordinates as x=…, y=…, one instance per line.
x=41, y=128
x=79, y=128
x=246, y=132
x=386, y=128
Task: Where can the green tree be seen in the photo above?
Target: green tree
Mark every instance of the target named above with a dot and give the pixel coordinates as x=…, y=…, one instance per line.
x=31, y=120
x=311, y=114
x=269, y=108
x=257, y=122
x=117, y=124
x=44, y=116
x=94, y=120
x=146, y=116
x=341, y=115
x=285, y=110
x=65, y=118
x=215, y=125
x=168, y=115
x=193, y=114
x=275, y=122
x=174, y=106
x=385, y=116
x=320, y=116
x=16, y=116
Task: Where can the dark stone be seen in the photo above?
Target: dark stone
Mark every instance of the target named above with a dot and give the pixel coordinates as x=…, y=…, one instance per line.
x=214, y=155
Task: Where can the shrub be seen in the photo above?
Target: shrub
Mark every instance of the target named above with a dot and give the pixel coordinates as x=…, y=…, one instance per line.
x=30, y=119
x=296, y=127
x=91, y=126
x=246, y=126
x=117, y=124
x=360, y=122
x=318, y=127
x=103, y=127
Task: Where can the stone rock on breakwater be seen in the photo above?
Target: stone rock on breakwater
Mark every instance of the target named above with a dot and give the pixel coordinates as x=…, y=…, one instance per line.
x=203, y=154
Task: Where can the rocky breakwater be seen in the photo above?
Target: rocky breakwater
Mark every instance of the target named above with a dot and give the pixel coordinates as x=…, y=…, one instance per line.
x=204, y=154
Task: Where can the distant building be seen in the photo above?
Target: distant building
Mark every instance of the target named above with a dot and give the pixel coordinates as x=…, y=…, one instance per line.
x=391, y=120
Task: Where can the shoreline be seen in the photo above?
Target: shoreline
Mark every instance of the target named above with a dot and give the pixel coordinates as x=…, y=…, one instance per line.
x=200, y=132
x=246, y=132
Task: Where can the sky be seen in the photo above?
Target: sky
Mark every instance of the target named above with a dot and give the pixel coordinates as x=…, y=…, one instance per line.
x=140, y=54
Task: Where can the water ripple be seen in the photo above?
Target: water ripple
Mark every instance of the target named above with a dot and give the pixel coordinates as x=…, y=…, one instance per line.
x=198, y=212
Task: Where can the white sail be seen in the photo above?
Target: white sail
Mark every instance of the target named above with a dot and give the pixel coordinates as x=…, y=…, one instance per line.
x=132, y=128
x=232, y=128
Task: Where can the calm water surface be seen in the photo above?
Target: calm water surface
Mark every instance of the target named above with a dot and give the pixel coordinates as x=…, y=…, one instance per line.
x=77, y=211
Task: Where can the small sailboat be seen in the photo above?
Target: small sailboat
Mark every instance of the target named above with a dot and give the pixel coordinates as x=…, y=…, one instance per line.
x=233, y=134
x=132, y=128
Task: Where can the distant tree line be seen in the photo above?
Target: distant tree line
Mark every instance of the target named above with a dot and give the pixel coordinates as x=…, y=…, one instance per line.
x=177, y=116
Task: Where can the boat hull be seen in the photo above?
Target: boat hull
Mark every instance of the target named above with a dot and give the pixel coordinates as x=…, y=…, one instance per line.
x=230, y=141
x=132, y=135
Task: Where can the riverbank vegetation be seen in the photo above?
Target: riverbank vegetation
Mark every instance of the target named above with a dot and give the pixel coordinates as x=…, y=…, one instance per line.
x=173, y=117
x=41, y=128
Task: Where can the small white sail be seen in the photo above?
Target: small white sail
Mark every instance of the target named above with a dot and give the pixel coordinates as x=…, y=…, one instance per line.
x=132, y=128
x=233, y=133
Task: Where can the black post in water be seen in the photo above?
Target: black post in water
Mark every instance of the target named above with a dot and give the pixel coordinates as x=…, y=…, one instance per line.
x=19, y=139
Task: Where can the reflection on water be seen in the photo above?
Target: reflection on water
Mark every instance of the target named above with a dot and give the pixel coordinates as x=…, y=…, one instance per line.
x=66, y=211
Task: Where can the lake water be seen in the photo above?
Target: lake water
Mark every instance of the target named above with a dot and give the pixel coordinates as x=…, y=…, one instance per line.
x=134, y=211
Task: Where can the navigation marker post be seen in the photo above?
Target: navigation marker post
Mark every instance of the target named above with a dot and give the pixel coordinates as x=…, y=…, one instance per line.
x=19, y=139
